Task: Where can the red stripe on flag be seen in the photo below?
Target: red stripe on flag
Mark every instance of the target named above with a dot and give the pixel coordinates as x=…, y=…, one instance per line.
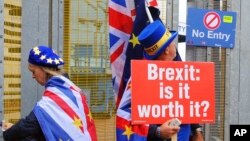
x=138, y=129
x=117, y=53
x=120, y=92
x=65, y=107
x=133, y=12
x=90, y=121
x=120, y=21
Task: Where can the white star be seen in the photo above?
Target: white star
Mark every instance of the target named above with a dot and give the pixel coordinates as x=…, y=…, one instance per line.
x=57, y=61
x=49, y=61
x=43, y=57
x=37, y=52
x=60, y=59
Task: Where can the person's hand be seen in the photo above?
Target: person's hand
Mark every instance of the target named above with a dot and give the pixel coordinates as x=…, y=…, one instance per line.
x=197, y=137
x=6, y=125
x=167, y=131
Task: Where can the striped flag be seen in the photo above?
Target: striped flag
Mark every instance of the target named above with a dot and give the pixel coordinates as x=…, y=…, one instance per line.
x=125, y=131
x=124, y=27
x=63, y=113
x=127, y=18
x=121, y=15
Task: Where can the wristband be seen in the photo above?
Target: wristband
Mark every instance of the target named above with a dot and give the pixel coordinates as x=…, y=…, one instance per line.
x=158, y=132
x=198, y=130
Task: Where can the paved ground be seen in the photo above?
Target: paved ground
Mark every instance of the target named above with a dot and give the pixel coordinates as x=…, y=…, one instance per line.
x=105, y=128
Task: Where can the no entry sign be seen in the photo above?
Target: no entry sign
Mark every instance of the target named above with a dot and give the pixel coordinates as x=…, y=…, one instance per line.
x=211, y=28
x=212, y=20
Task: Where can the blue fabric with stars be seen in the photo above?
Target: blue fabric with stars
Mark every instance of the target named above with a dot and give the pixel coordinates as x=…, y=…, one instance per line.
x=44, y=56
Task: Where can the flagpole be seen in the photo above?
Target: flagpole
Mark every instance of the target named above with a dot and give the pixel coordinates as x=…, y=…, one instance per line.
x=148, y=12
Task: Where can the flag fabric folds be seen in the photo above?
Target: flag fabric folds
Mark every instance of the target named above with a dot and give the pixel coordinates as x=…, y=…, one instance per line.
x=63, y=113
x=125, y=131
x=124, y=27
x=127, y=18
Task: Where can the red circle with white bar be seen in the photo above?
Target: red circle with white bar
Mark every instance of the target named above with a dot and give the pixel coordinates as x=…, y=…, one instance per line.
x=212, y=20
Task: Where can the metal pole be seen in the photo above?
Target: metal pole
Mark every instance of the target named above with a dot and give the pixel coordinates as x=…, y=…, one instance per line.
x=50, y=23
x=1, y=57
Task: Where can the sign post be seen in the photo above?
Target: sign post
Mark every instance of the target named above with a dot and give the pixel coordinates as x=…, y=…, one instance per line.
x=211, y=28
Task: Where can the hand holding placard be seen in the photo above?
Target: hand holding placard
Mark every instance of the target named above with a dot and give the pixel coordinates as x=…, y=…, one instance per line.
x=175, y=122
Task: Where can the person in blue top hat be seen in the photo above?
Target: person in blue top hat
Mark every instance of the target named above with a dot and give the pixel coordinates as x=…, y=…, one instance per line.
x=158, y=43
x=62, y=112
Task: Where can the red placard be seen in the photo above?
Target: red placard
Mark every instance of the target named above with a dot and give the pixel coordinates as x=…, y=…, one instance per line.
x=162, y=90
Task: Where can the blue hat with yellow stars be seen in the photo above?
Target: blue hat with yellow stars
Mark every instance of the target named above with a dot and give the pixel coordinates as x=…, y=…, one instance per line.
x=44, y=56
x=155, y=38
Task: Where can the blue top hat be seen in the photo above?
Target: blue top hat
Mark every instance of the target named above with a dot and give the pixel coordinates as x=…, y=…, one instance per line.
x=155, y=38
x=44, y=56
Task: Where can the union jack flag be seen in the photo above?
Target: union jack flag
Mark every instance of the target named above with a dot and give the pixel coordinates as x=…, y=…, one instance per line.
x=124, y=27
x=63, y=113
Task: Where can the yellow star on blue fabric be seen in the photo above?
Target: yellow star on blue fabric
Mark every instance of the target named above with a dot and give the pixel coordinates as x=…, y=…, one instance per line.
x=128, y=131
x=134, y=40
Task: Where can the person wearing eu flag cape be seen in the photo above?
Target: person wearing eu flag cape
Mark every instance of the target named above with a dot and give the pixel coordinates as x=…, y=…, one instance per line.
x=61, y=114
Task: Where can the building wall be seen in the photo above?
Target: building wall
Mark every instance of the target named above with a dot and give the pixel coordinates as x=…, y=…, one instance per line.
x=238, y=78
x=239, y=67
x=35, y=31
x=41, y=29
x=12, y=60
x=1, y=59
